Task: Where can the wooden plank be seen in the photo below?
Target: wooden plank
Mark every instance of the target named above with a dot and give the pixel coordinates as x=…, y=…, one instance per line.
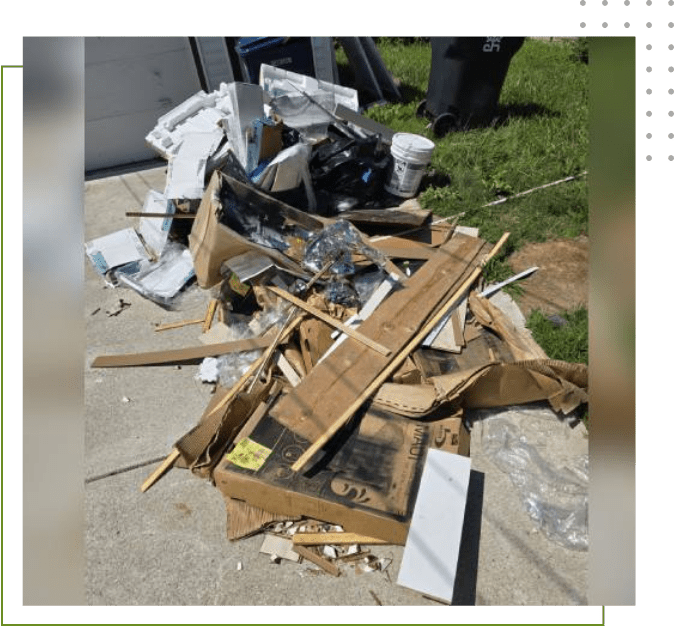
x=393, y=365
x=339, y=380
x=324, y=317
x=179, y=355
x=324, y=564
x=316, y=539
x=180, y=216
x=177, y=324
x=431, y=552
x=166, y=465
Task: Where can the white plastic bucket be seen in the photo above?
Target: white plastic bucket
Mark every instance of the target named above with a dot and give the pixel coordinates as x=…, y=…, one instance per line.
x=411, y=154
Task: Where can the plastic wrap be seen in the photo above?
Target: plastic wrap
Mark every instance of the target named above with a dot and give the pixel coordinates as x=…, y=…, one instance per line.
x=337, y=242
x=162, y=281
x=340, y=292
x=231, y=367
x=553, y=484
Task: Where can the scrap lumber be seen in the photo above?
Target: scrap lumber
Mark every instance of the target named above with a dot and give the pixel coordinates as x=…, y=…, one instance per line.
x=389, y=368
x=324, y=317
x=173, y=325
x=210, y=314
x=317, y=539
x=326, y=391
x=180, y=355
x=166, y=465
x=316, y=559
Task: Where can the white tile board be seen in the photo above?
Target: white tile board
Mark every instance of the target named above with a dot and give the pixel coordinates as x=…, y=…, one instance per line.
x=432, y=548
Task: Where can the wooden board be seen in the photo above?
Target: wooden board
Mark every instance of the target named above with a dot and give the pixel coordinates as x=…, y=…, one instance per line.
x=180, y=355
x=324, y=394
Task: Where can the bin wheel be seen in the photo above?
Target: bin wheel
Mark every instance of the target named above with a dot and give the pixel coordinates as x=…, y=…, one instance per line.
x=445, y=123
x=421, y=109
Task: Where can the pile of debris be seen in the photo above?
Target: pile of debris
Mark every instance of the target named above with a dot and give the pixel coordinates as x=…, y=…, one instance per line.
x=347, y=331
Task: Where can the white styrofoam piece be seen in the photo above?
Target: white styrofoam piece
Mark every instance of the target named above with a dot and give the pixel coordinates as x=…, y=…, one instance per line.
x=155, y=230
x=278, y=82
x=118, y=248
x=431, y=551
x=187, y=168
x=246, y=108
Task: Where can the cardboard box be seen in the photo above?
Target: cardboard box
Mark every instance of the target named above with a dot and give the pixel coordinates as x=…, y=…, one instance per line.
x=368, y=486
x=212, y=242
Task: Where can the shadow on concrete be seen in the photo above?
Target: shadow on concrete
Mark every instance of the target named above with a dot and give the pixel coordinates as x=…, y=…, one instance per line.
x=465, y=587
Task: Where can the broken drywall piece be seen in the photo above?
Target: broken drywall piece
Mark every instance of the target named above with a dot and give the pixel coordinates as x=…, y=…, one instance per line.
x=116, y=249
x=279, y=547
x=431, y=552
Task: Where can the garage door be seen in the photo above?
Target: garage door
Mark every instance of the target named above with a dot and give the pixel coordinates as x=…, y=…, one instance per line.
x=129, y=83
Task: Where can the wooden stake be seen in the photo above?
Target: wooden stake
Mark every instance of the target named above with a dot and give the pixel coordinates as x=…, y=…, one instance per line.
x=316, y=539
x=166, y=465
x=178, y=324
x=180, y=216
x=324, y=564
x=395, y=363
x=331, y=322
x=210, y=314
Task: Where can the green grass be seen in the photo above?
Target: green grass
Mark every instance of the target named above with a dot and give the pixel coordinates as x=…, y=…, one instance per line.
x=566, y=341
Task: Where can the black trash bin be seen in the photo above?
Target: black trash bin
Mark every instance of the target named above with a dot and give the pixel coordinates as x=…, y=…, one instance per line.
x=465, y=81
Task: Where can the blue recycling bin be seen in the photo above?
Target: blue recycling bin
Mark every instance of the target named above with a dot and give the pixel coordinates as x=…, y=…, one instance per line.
x=288, y=53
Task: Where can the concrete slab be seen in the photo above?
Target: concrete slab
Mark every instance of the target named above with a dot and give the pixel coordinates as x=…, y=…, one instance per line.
x=169, y=547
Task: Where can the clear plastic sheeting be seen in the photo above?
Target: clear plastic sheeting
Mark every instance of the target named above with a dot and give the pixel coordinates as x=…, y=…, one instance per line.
x=231, y=367
x=335, y=243
x=552, y=483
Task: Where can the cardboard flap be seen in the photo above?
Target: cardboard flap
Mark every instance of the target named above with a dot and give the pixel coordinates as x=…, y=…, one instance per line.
x=563, y=385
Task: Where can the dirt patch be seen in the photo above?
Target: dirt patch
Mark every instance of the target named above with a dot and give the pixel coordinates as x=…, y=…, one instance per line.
x=562, y=281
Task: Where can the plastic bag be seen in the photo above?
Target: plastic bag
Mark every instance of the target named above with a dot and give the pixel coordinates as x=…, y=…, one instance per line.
x=554, y=491
x=350, y=172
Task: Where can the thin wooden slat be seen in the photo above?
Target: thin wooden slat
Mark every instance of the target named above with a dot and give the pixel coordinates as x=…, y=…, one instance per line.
x=210, y=314
x=330, y=321
x=324, y=564
x=173, y=325
x=180, y=354
x=166, y=465
x=316, y=539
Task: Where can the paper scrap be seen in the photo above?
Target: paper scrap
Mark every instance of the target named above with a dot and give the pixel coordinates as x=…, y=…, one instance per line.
x=249, y=454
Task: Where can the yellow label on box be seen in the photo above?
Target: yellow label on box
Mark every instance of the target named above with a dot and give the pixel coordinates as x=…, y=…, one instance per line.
x=248, y=454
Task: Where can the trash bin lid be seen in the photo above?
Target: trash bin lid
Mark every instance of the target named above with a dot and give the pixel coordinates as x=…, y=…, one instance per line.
x=246, y=45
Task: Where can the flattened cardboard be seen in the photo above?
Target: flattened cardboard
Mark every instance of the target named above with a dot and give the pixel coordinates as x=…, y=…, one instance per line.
x=367, y=487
